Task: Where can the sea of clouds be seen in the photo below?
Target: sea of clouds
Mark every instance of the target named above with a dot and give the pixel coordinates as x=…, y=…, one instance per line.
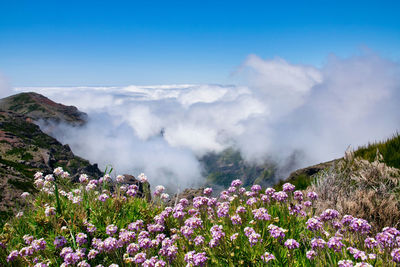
x=273, y=110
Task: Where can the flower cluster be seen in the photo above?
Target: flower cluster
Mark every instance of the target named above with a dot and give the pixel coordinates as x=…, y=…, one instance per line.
x=238, y=226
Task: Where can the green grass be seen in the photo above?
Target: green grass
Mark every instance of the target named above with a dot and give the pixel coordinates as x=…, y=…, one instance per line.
x=390, y=150
x=23, y=169
x=20, y=152
x=301, y=182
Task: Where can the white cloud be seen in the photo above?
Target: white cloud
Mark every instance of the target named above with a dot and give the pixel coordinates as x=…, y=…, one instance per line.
x=281, y=108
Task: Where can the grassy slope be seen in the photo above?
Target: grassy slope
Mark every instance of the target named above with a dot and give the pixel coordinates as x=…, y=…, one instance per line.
x=390, y=150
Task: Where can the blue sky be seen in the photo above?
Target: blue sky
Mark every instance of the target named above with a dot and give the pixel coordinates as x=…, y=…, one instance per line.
x=55, y=43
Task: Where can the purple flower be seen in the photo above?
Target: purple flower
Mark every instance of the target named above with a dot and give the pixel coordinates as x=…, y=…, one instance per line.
x=346, y=220
x=335, y=243
x=110, y=244
x=236, y=219
x=236, y=183
x=345, y=263
x=198, y=202
x=311, y=254
x=256, y=188
x=216, y=232
x=296, y=209
x=207, y=191
x=269, y=191
x=329, y=214
x=276, y=232
x=199, y=240
x=131, y=192
x=298, y=195
x=317, y=243
x=288, y=187
x=90, y=228
x=145, y=242
x=385, y=239
x=307, y=203
x=223, y=209
x=251, y=201
x=26, y=251
x=360, y=225
x=231, y=189
x=266, y=257
x=83, y=179
x=132, y=248
x=291, y=244
x=395, y=255
x=187, y=231
x=370, y=242
x=199, y=259
x=28, y=239
x=261, y=214
x=168, y=249
x=71, y=258
x=136, y=226
x=193, y=259
x=234, y=236
x=103, y=197
x=81, y=238
x=92, y=254
x=253, y=237
x=140, y=257
x=39, y=244
x=111, y=229
x=60, y=241
x=280, y=196
x=240, y=209
x=126, y=236
x=13, y=255
x=65, y=251
x=314, y=224
x=393, y=231
x=312, y=195
x=194, y=222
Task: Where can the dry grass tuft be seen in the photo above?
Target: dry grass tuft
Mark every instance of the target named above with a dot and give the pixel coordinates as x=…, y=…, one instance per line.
x=368, y=190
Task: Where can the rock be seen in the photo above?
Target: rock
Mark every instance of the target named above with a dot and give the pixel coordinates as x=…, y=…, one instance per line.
x=144, y=188
x=188, y=193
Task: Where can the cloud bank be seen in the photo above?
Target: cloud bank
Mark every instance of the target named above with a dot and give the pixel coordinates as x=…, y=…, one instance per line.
x=276, y=109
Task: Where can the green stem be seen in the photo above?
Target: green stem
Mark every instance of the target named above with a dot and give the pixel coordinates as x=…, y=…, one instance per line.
x=57, y=199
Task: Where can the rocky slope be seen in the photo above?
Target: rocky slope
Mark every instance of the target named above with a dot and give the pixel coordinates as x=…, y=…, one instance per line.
x=38, y=107
x=25, y=149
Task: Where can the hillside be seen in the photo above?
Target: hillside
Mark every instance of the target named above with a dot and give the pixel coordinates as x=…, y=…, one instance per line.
x=25, y=149
x=220, y=169
x=38, y=107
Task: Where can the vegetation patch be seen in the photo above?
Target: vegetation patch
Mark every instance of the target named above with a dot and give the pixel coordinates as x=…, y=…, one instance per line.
x=389, y=149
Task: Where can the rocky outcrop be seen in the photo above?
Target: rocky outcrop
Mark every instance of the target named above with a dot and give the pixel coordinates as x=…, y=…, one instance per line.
x=189, y=194
x=143, y=188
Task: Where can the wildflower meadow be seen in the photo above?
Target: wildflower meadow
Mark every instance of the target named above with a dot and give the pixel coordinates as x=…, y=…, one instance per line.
x=103, y=222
